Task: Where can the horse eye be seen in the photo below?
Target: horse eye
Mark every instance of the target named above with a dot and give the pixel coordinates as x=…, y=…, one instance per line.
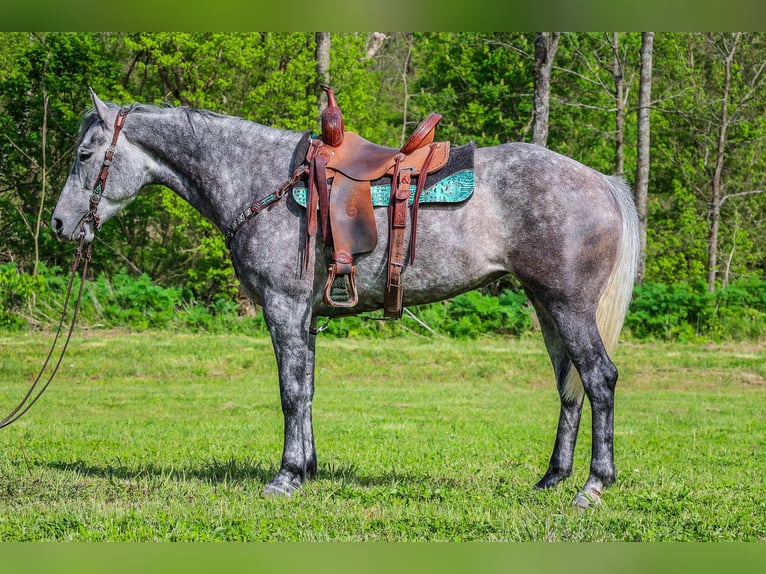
x=85, y=155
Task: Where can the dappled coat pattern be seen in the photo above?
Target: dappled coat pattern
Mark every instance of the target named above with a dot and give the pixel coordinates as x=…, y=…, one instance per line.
x=567, y=232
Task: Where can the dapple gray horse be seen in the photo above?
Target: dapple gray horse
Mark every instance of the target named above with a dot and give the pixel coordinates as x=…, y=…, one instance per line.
x=568, y=233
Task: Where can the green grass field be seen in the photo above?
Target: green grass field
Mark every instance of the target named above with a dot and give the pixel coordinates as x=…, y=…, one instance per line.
x=156, y=436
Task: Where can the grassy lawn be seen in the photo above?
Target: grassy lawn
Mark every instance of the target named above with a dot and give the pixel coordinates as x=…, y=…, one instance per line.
x=158, y=436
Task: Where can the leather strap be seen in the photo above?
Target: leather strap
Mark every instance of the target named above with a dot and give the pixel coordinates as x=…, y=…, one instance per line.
x=100, y=185
x=318, y=196
x=392, y=303
x=416, y=200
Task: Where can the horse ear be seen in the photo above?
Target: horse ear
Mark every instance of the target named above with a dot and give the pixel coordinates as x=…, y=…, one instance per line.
x=99, y=106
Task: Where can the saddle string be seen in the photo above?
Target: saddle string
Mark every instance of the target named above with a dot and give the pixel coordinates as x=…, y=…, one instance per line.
x=416, y=201
x=25, y=404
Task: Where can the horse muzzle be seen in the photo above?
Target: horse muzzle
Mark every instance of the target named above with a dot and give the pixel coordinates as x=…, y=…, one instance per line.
x=72, y=231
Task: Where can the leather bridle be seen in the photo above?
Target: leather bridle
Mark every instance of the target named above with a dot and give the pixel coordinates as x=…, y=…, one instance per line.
x=98, y=189
x=100, y=185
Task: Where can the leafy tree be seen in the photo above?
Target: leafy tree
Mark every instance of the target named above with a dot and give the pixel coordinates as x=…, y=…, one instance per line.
x=481, y=83
x=709, y=149
x=269, y=78
x=706, y=171
x=546, y=44
x=42, y=95
x=643, y=144
x=594, y=88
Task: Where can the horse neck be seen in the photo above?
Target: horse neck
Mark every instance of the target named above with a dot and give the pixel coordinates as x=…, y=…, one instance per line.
x=219, y=164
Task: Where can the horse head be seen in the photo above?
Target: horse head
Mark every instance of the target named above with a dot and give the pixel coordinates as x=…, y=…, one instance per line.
x=86, y=201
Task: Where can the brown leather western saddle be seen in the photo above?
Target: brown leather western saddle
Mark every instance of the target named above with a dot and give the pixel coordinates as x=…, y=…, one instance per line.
x=341, y=166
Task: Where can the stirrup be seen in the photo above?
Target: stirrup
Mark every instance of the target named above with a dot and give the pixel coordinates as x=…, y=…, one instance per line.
x=350, y=284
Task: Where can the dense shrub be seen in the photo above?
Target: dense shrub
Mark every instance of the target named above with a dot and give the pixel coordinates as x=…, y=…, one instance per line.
x=17, y=294
x=689, y=312
x=473, y=314
x=680, y=311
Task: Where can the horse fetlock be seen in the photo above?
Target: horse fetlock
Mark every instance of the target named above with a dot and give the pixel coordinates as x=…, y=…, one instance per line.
x=311, y=468
x=601, y=475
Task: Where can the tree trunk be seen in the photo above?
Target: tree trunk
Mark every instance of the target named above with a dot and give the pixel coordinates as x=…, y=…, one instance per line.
x=716, y=191
x=323, y=67
x=642, y=146
x=619, y=100
x=546, y=44
x=405, y=92
x=44, y=155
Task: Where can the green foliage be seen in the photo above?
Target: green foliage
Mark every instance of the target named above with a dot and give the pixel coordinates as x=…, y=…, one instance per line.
x=17, y=292
x=672, y=312
x=470, y=315
x=117, y=301
x=139, y=304
x=481, y=83
x=56, y=68
x=474, y=314
x=136, y=303
x=689, y=312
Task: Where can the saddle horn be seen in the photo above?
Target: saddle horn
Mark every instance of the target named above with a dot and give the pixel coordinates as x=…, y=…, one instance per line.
x=332, y=120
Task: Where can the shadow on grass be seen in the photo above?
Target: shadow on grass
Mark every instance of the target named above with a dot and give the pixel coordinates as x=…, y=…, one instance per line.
x=210, y=471
x=233, y=470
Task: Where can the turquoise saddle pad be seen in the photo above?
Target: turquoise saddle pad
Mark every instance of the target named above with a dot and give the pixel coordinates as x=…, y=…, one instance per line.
x=455, y=188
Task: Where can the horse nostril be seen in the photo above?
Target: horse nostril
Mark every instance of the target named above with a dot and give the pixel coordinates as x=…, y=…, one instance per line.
x=58, y=225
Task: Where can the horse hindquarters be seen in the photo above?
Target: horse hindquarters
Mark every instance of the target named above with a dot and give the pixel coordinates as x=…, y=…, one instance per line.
x=581, y=325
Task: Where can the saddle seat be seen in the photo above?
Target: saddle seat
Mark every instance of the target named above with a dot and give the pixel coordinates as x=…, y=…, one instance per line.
x=363, y=160
x=342, y=165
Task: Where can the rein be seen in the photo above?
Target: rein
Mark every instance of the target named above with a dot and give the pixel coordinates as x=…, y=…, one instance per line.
x=26, y=403
x=98, y=189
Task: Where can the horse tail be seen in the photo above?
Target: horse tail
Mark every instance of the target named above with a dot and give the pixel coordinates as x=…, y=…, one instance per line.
x=615, y=299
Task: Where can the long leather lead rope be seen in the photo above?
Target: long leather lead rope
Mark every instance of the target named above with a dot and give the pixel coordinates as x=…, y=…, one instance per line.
x=98, y=189
x=26, y=403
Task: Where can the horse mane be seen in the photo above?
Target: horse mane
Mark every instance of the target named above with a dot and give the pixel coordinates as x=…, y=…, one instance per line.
x=194, y=117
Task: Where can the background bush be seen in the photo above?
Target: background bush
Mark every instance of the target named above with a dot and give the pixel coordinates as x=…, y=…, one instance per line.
x=689, y=312
x=685, y=312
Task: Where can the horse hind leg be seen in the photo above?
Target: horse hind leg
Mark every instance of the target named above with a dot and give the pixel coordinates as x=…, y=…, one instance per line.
x=562, y=458
x=583, y=344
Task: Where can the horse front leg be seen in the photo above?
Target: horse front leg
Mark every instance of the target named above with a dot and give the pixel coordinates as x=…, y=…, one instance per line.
x=294, y=347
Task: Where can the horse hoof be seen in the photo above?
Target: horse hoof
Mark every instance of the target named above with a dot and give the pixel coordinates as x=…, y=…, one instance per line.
x=274, y=491
x=587, y=497
x=550, y=480
x=282, y=486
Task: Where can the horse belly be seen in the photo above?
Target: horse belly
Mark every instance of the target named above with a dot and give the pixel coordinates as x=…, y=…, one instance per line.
x=458, y=249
